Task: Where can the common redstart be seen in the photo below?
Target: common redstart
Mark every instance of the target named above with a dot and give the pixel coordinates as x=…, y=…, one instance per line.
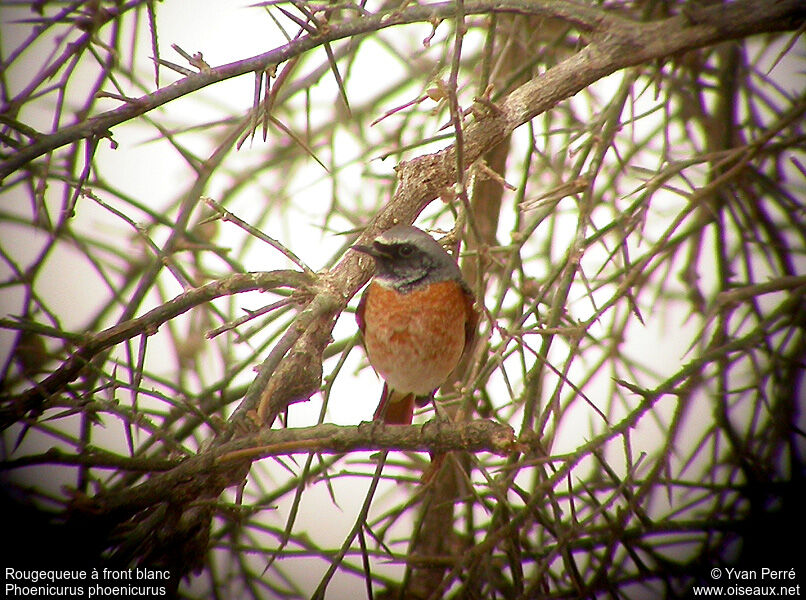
x=417, y=318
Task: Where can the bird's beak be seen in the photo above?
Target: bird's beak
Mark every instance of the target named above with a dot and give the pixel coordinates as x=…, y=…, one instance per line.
x=365, y=250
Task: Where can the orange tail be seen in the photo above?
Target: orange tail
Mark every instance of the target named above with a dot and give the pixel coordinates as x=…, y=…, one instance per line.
x=395, y=408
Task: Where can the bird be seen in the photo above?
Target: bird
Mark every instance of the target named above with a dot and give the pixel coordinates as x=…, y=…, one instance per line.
x=417, y=317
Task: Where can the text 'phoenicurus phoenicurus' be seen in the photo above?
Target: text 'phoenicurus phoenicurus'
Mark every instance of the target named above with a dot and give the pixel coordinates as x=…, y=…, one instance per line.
x=417, y=319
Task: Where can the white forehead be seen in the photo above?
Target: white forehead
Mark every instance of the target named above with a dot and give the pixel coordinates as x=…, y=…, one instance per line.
x=403, y=233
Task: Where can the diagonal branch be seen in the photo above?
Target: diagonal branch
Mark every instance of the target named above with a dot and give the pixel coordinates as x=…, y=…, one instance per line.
x=12, y=409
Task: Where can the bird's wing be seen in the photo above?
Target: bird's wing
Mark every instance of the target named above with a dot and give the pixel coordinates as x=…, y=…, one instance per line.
x=359, y=312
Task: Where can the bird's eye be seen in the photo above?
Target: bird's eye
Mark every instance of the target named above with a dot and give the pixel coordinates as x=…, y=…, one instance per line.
x=405, y=250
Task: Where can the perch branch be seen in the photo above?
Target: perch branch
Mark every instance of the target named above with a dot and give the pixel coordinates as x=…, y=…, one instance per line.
x=194, y=475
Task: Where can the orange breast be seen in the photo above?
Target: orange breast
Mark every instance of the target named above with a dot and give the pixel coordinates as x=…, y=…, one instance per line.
x=415, y=340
